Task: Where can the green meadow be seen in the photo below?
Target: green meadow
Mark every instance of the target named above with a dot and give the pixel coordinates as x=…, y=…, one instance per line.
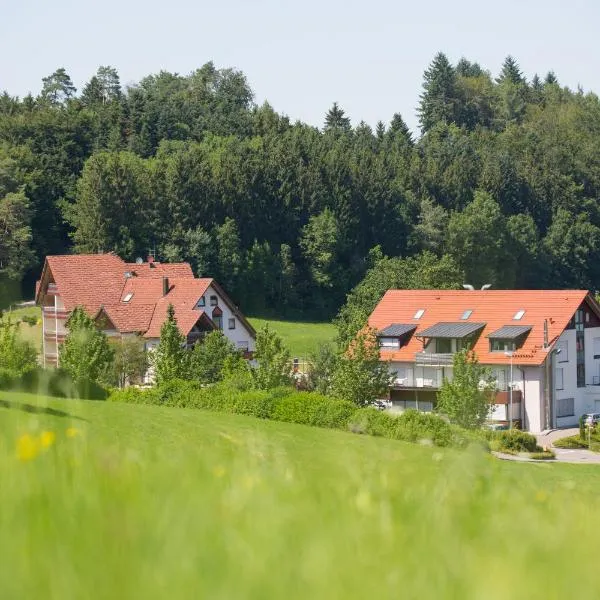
x=108, y=500
x=301, y=338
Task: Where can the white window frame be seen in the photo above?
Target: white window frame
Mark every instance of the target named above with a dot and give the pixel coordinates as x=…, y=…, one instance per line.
x=128, y=297
x=563, y=355
x=231, y=323
x=559, y=379
x=389, y=342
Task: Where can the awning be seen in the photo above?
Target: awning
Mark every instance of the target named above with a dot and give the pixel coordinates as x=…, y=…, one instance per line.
x=509, y=332
x=450, y=330
x=396, y=330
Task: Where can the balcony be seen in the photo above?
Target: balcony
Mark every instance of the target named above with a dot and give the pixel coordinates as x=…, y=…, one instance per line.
x=51, y=312
x=433, y=359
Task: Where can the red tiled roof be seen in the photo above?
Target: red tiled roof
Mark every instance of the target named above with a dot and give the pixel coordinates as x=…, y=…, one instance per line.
x=88, y=280
x=104, y=281
x=183, y=295
x=495, y=308
x=130, y=319
x=160, y=269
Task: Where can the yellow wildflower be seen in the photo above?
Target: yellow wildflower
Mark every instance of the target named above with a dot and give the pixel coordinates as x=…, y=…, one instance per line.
x=72, y=432
x=27, y=447
x=47, y=439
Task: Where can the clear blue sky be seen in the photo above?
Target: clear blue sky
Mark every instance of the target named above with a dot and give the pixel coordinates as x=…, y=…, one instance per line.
x=367, y=55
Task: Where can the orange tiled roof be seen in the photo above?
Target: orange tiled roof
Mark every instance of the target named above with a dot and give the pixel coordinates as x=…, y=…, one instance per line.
x=183, y=295
x=495, y=308
x=130, y=319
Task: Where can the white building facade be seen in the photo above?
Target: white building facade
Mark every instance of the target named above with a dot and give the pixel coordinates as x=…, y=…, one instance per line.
x=542, y=349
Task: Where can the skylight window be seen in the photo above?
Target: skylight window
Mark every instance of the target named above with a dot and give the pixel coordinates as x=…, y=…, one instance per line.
x=128, y=297
x=518, y=315
x=419, y=313
x=466, y=314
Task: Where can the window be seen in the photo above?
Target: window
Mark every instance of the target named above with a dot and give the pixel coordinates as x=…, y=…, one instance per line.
x=500, y=376
x=231, y=324
x=389, y=342
x=128, y=297
x=400, y=376
x=580, y=347
x=218, y=321
x=243, y=346
x=502, y=345
x=559, y=380
x=201, y=302
x=563, y=355
x=519, y=315
x=565, y=407
x=466, y=314
x=214, y=301
x=443, y=346
x=419, y=313
x=596, y=347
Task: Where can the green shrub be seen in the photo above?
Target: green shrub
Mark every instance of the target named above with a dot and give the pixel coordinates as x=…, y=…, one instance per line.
x=31, y=320
x=545, y=455
x=310, y=408
x=570, y=443
x=514, y=441
x=372, y=422
x=254, y=403
x=415, y=426
x=54, y=382
x=130, y=395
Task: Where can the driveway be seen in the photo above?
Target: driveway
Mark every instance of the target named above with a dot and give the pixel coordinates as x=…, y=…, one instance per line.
x=579, y=456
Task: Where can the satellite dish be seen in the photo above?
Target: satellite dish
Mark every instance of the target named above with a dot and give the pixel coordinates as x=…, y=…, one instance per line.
x=139, y=260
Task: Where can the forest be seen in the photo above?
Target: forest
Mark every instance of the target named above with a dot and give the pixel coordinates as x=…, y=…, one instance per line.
x=500, y=185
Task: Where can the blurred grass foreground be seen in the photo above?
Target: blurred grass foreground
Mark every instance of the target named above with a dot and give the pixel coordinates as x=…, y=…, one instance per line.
x=108, y=500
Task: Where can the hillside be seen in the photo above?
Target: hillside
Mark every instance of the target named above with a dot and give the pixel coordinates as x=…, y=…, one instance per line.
x=145, y=502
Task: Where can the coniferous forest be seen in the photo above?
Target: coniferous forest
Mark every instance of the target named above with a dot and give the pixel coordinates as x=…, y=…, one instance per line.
x=502, y=183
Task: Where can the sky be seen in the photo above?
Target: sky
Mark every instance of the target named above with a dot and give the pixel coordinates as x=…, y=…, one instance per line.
x=301, y=56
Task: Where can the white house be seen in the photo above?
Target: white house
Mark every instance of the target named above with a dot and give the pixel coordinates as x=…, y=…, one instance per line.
x=544, y=345
x=132, y=298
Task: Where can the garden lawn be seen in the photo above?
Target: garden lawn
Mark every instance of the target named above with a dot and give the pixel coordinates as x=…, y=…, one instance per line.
x=300, y=338
x=133, y=501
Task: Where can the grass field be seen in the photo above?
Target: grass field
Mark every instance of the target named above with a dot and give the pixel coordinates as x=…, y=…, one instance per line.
x=300, y=338
x=31, y=333
x=147, y=502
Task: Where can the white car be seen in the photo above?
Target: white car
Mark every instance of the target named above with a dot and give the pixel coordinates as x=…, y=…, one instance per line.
x=591, y=419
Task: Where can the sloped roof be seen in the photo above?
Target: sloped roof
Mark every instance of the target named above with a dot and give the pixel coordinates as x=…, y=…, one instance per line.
x=509, y=332
x=183, y=295
x=397, y=330
x=450, y=330
x=495, y=308
x=130, y=319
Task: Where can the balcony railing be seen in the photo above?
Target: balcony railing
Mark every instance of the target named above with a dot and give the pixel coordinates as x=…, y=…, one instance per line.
x=433, y=359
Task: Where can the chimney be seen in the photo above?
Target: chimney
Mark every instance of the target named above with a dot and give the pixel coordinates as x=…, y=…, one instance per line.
x=165, y=282
x=545, y=333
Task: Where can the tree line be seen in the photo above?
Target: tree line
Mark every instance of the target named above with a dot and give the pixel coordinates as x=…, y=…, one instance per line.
x=501, y=185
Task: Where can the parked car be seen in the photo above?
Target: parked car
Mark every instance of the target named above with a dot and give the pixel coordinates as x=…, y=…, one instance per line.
x=591, y=419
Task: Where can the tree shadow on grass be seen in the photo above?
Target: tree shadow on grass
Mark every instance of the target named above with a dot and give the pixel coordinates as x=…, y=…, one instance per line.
x=45, y=410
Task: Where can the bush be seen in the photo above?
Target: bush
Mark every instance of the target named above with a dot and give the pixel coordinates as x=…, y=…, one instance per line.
x=31, y=320
x=514, y=441
x=545, y=455
x=54, y=382
x=372, y=422
x=255, y=403
x=130, y=395
x=310, y=408
x=571, y=443
x=415, y=426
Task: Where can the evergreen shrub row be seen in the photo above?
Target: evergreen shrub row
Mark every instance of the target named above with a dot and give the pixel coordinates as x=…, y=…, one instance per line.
x=305, y=408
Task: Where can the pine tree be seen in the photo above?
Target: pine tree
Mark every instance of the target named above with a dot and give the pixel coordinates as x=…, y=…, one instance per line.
x=438, y=100
x=399, y=129
x=510, y=72
x=58, y=87
x=536, y=90
x=335, y=120
x=551, y=78
x=170, y=359
x=466, y=68
x=380, y=130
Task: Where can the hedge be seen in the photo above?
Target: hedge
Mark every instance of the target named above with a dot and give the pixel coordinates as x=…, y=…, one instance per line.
x=304, y=408
x=514, y=441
